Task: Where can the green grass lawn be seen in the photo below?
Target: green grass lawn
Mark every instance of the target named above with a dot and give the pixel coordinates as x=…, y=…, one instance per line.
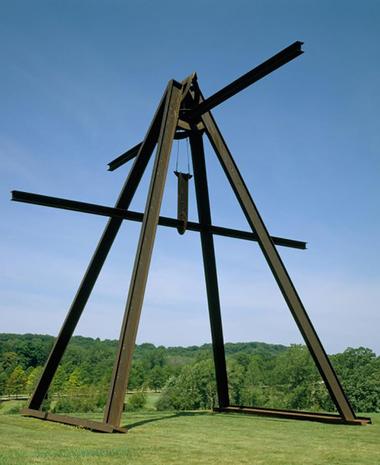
x=190, y=438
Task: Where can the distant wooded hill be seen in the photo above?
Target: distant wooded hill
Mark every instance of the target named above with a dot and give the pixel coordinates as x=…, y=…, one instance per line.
x=263, y=374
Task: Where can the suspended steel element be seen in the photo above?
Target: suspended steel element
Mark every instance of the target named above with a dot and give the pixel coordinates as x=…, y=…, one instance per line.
x=182, y=200
x=183, y=113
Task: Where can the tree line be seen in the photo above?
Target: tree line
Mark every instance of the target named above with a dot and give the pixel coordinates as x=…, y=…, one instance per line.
x=259, y=374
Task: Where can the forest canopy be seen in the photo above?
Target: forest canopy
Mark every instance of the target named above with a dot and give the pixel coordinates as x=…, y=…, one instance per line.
x=259, y=374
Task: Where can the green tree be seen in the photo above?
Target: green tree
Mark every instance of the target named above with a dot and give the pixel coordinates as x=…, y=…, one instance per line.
x=157, y=378
x=3, y=381
x=136, y=401
x=254, y=391
x=138, y=376
x=16, y=381
x=193, y=389
x=359, y=370
x=236, y=380
x=32, y=379
x=296, y=376
x=9, y=361
x=74, y=382
x=59, y=381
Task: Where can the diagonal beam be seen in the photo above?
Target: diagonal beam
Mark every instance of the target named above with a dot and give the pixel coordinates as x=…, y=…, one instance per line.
x=278, y=269
x=97, y=261
x=254, y=75
x=102, y=210
x=120, y=375
x=124, y=158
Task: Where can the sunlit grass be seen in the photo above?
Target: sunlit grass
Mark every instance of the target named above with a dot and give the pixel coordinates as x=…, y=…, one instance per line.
x=190, y=438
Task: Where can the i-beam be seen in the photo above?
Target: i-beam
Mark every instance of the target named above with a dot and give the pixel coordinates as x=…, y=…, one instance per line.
x=102, y=210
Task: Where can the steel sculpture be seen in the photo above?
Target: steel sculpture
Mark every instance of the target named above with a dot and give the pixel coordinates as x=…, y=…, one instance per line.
x=183, y=113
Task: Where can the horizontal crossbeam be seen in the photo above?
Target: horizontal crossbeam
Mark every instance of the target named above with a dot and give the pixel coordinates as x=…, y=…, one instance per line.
x=102, y=210
x=254, y=75
x=294, y=415
x=92, y=425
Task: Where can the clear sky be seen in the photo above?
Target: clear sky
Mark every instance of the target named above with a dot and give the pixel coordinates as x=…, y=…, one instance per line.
x=79, y=83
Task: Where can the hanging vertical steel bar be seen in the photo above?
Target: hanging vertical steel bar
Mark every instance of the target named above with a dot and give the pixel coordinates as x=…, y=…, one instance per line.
x=209, y=263
x=119, y=382
x=278, y=269
x=97, y=261
x=182, y=200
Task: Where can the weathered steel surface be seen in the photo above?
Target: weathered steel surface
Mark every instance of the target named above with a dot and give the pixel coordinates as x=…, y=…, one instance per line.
x=124, y=158
x=278, y=269
x=96, y=263
x=92, y=425
x=139, y=277
x=182, y=200
x=102, y=210
x=209, y=264
x=295, y=415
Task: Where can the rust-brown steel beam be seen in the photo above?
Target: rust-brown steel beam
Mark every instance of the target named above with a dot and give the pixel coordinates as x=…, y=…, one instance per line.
x=284, y=56
x=182, y=200
x=119, y=382
x=278, y=269
x=102, y=210
x=209, y=265
x=295, y=415
x=92, y=425
x=124, y=157
x=241, y=83
x=96, y=262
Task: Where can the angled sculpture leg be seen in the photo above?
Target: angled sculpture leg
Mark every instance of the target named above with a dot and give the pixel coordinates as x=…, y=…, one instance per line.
x=209, y=263
x=97, y=262
x=278, y=269
x=119, y=382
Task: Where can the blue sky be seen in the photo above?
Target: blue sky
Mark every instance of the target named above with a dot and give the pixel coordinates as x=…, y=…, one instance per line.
x=80, y=81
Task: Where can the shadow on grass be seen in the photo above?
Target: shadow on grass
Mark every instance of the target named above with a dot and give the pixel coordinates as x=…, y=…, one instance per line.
x=166, y=417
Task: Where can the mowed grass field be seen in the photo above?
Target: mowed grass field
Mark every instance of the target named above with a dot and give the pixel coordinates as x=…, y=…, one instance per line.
x=164, y=438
